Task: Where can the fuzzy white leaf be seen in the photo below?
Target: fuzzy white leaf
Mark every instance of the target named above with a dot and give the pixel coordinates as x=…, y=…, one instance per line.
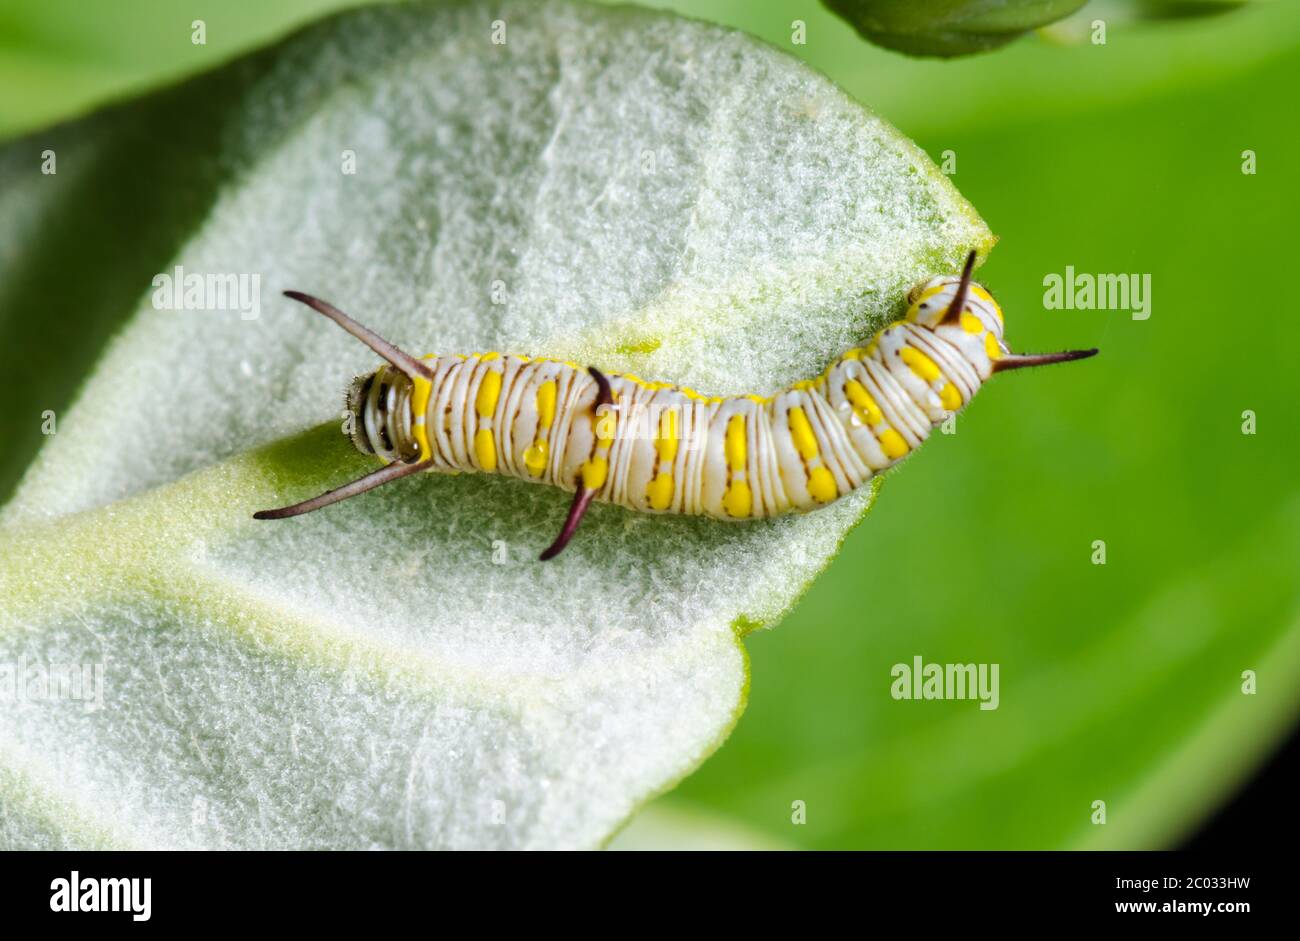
x=652, y=194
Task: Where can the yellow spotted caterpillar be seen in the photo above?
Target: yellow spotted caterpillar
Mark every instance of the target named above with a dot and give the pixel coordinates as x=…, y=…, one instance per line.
x=662, y=448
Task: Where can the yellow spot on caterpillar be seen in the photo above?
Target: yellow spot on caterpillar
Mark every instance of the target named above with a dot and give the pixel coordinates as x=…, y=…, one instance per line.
x=801, y=434
x=950, y=397
x=984, y=295
x=594, y=473
x=861, y=399
x=738, y=501
x=485, y=449
x=660, y=491
x=488, y=357
x=971, y=324
x=735, y=443
x=606, y=426
x=666, y=443
x=546, y=404
x=920, y=364
x=536, y=457
x=489, y=389
x=991, y=347
x=893, y=444
x=821, y=485
x=421, y=390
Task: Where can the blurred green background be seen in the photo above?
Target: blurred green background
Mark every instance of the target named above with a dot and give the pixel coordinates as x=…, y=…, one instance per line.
x=1119, y=682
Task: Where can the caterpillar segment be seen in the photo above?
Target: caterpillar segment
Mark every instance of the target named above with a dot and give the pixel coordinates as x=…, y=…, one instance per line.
x=655, y=447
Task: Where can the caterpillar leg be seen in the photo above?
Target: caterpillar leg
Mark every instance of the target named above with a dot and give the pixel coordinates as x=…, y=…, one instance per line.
x=583, y=496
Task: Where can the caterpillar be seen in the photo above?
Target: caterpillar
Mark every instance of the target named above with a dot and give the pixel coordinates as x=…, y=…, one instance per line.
x=657, y=447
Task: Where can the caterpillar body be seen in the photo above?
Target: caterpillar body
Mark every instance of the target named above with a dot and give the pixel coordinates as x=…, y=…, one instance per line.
x=656, y=447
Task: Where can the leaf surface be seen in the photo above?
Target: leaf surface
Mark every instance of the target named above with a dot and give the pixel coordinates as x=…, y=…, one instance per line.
x=629, y=189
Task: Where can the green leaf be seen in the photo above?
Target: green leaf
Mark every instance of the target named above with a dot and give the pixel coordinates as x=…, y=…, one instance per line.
x=652, y=194
x=949, y=27
x=661, y=828
x=1178, y=9
x=1118, y=15
x=1119, y=682
x=60, y=59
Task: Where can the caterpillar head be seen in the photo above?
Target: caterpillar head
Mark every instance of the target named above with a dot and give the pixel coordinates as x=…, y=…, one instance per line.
x=931, y=304
x=379, y=415
x=966, y=308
